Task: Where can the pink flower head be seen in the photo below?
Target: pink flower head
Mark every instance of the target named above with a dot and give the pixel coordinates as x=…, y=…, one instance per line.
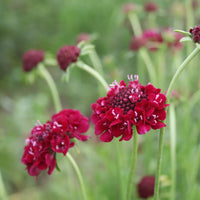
x=67, y=55
x=83, y=37
x=172, y=39
x=146, y=187
x=128, y=7
x=195, y=33
x=137, y=42
x=53, y=137
x=126, y=105
x=150, y=6
x=31, y=58
x=153, y=39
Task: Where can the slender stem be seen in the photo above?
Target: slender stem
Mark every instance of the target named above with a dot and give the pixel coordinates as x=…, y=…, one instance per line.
x=78, y=173
x=169, y=91
x=96, y=61
x=144, y=54
x=135, y=23
x=133, y=162
x=93, y=72
x=160, y=155
x=181, y=68
x=149, y=65
x=46, y=75
x=172, y=119
x=54, y=92
x=3, y=194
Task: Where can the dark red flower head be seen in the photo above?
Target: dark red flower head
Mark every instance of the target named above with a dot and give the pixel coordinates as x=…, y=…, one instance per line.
x=150, y=6
x=126, y=105
x=195, y=33
x=53, y=137
x=137, y=42
x=83, y=37
x=67, y=55
x=31, y=58
x=146, y=187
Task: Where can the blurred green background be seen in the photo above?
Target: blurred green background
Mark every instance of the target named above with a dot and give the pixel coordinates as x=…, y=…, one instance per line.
x=48, y=25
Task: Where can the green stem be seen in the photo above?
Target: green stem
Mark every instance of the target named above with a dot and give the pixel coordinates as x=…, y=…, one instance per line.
x=181, y=68
x=172, y=119
x=135, y=24
x=93, y=72
x=54, y=92
x=156, y=190
x=3, y=194
x=149, y=65
x=169, y=91
x=96, y=61
x=144, y=54
x=78, y=173
x=133, y=162
x=46, y=75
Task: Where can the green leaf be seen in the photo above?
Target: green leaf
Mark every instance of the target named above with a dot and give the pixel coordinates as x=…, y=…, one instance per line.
x=183, y=32
x=186, y=39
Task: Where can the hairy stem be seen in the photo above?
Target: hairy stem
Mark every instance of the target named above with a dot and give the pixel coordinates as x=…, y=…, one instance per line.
x=133, y=162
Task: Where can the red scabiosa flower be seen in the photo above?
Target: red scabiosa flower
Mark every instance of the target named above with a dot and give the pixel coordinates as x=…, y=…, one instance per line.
x=126, y=105
x=53, y=137
x=137, y=42
x=31, y=58
x=153, y=39
x=195, y=33
x=146, y=187
x=71, y=122
x=150, y=6
x=67, y=55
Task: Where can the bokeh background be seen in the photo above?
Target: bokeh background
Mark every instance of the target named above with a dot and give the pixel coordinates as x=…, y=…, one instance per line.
x=48, y=25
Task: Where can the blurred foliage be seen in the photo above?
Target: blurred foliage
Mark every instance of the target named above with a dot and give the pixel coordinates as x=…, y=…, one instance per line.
x=48, y=25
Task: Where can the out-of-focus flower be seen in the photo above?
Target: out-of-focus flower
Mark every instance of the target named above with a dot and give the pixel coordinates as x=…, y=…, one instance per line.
x=137, y=42
x=53, y=137
x=82, y=37
x=31, y=58
x=195, y=33
x=172, y=39
x=153, y=39
x=67, y=55
x=145, y=187
x=126, y=105
x=129, y=7
x=195, y=4
x=150, y=6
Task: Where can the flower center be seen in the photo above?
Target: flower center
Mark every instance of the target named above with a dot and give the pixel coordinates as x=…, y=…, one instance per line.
x=126, y=98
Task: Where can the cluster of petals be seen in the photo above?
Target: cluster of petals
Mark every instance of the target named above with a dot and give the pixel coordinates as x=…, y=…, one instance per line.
x=31, y=58
x=195, y=33
x=146, y=186
x=53, y=137
x=152, y=39
x=66, y=55
x=126, y=105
